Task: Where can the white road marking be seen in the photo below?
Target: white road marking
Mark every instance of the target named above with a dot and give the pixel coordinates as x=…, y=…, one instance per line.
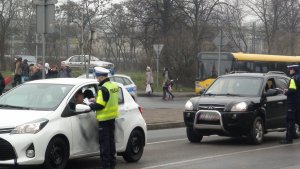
x=166, y=141
x=217, y=156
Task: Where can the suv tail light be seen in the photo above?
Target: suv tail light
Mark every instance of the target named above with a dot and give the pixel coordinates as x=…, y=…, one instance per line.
x=140, y=109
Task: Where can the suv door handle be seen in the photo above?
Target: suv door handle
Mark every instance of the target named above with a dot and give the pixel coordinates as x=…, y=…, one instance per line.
x=279, y=102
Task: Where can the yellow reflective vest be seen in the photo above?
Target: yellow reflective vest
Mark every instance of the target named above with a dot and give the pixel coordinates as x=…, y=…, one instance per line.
x=110, y=110
x=292, y=85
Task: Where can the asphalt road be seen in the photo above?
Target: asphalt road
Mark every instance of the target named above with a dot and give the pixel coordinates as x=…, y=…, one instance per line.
x=169, y=149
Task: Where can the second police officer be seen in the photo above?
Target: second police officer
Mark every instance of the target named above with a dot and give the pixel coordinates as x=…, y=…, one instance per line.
x=106, y=106
x=293, y=100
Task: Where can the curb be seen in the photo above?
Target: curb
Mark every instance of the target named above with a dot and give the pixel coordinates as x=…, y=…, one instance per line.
x=157, y=126
x=160, y=95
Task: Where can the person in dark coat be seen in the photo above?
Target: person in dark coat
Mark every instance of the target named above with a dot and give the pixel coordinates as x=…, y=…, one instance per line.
x=53, y=72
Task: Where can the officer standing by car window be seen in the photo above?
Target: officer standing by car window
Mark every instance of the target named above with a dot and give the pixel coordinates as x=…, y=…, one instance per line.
x=106, y=107
x=293, y=99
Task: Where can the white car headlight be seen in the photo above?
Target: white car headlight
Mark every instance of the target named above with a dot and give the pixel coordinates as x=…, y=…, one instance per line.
x=189, y=105
x=31, y=127
x=242, y=106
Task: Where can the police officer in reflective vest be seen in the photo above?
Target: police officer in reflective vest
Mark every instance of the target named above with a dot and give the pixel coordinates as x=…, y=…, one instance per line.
x=106, y=107
x=293, y=97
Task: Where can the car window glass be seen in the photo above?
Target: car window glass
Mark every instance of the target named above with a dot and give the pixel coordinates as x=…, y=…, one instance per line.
x=120, y=96
x=119, y=80
x=36, y=96
x=74, y=59
x=126, y=81
x=270, y=84
x=282, y=83
x=81, y=59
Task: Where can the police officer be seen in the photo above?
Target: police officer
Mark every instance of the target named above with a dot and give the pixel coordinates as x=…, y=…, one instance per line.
x=293, y=94
x=106, y=107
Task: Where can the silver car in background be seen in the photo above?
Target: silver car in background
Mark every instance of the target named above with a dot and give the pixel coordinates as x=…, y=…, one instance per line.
x=82, y=60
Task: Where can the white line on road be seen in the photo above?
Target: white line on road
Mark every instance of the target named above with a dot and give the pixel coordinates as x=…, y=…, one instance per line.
x=166, y=141
x=217, y=156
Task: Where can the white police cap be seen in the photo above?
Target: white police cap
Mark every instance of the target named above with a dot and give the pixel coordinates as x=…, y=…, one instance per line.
x=293, y=67
x=100, y=71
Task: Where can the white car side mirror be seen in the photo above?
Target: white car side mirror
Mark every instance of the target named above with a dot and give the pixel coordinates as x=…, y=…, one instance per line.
x=82, y=108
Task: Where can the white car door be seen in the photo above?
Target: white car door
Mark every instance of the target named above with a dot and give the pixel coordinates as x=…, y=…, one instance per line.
x=119, y=127
x=85, y=133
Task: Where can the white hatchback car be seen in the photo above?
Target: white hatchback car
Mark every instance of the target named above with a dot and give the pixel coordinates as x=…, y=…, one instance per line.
x=41, y=125
x=81, y=60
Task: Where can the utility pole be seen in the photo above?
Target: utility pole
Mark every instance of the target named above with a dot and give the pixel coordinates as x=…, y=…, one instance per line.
x=45, y=15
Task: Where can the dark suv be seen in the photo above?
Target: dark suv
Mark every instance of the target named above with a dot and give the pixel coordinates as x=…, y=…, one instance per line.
x=240, y=104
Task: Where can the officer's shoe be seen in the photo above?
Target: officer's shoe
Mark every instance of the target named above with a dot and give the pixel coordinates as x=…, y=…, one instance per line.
x=285, y=141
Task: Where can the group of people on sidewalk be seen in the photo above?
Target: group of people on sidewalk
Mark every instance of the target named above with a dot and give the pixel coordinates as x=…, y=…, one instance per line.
x=26, y=72
x=166, y=87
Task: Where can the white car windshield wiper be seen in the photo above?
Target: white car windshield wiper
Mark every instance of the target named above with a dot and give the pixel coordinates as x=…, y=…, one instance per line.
x=13, y=107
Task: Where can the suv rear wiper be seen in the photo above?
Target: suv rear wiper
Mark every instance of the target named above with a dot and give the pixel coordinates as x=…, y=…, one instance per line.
x=11, y=106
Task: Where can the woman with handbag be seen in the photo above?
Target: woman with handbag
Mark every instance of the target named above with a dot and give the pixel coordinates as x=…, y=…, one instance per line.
x=149, y=81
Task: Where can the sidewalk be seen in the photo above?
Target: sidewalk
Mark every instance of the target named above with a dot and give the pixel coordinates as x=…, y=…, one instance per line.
x=162, y=118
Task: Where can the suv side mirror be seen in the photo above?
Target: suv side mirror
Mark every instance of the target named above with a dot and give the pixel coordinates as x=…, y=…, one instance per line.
x=202, y=91
x=272, y=92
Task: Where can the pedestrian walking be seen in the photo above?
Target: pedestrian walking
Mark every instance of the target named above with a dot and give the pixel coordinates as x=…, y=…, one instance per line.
x=65, y=71
x=293, y=100
x=25, y=71
x=2, y=83
x=17, y=72
x=167, y=88
x=106, y=107
x=149, y=81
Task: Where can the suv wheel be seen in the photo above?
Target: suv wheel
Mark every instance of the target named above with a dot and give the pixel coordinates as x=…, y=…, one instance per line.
x=256, y=133
x=193, y=136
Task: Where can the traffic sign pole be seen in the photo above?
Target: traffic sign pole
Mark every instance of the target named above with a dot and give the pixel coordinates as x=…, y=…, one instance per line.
x=157, y=48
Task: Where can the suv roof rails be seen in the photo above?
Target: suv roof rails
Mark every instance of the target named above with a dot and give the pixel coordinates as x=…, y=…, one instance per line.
x=233, y=72
x=276, y=72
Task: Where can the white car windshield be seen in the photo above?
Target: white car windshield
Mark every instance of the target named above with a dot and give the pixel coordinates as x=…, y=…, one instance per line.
x=236, y=86
x=35, y=96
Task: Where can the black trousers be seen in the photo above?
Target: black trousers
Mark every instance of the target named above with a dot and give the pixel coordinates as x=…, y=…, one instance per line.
x=107, y=143
x=291, y=119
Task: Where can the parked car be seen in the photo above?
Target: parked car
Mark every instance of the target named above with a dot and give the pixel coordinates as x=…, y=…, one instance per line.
x=241, y=104
x=82, y=60
x=120, y=78
x=41, y=125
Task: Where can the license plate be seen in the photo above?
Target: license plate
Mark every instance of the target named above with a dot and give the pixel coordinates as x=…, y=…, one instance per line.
x=209, y=117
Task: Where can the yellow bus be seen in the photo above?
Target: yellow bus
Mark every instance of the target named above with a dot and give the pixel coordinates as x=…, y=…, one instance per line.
x=212, y=64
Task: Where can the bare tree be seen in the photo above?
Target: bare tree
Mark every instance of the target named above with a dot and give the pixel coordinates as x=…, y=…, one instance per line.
x=232, y=19
x=8, y=12
x=270, y=13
